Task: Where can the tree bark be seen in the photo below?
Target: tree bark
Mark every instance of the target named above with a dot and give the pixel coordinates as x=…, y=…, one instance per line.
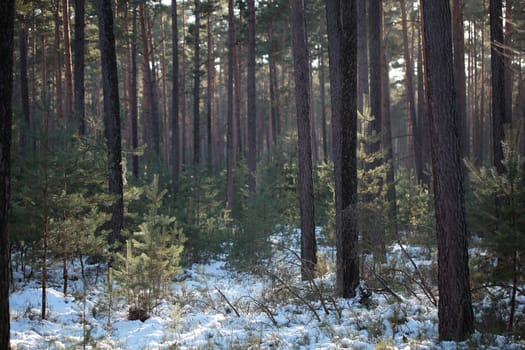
x=252, y=119
x=302, y=102
x=111, y=116
x=133, y=96
x=342, y=46
x=322, y=94
x=175, y=141
x=456, y=319
x=196, y=87
x=78, y=66
x=67, y=59
x=210, y=94
x=165, y=120
x=24, y=87
x=499, y=116
x=7, y=8
x=363, y=88
x=230, y=144
x=58, y=64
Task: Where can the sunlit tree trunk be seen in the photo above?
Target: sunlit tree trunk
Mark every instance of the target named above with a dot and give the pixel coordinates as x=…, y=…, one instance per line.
x=67, y=60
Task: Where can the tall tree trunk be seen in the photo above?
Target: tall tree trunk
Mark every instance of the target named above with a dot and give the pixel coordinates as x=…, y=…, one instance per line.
x=412, y=129
x=499, y=116
x=363, y=88
x=67, y=59
x=134, y=111
x=111, y=116
x=7, y=8
x=58, y=65
x=210, y=93
x=78, y=66
x=237, y=84
x=24, y=87
x=175, y=141
x=165, y=121
x=458, y=42
x=507, y=59
x=196, y=87
x=456, y=319
x=230, y=144
x=252, y=119
x=323, y=103
x=184, y=136
x=423, y=127
x=342, y=47
x=302, y=101
x=387, y=132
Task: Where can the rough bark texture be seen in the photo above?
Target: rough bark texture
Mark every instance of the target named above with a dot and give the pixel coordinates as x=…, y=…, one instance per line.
x=7, y=8
x=363, y=88
x=374, y=27
x=342, y=45
x=252, y=118
x=455, y=306
x=302, y=102
x=458, y=37
x=499, y=117
x=78, y=66
x=175, y=138
x=111, y=116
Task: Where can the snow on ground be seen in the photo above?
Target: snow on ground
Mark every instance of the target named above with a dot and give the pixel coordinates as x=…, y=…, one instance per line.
x=214, y=307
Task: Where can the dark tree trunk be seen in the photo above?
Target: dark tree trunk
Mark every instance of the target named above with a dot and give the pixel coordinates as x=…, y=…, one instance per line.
x=210, y=94
x=362, y=54
x=134, y=111
x=342, y=46
x=322, y=94
x=458, y=37
x=196, y=86
x=175, y=141
x=499, y=116
x=237, y=94
x=165, y=122
x=456, y=319
x=24, y=87
x=302, y=102
x=78, y=66
x=111, y=116
x=230, y=145
x=252, y=119
x=374, y=27
x=58, y=64
x=7, y=8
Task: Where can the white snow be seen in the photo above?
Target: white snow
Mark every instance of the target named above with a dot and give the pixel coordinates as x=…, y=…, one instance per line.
x=199, y=315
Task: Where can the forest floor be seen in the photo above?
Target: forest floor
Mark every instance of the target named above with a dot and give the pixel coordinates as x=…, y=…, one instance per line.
x=213, y=306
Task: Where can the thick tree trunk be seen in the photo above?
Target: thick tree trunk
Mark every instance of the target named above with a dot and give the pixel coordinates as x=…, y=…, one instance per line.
x=111, y=116
x=175, y=141
x=302, y=102
x=458, y=37
x=78, y=66
x=252, y=119
x=499, y=116
x=456, y=319
x=7, y=8
x=342, y=45
x=363, y=88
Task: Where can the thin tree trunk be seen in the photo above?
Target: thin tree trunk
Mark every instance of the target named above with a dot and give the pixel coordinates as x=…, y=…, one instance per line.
x=58, y=65
x=456, y=319
x=230, y=144
x=7, y=19
x=111, y=116
x=196, y=87
x=237, y=84
x=133, y=96
x=175, y=141
x=499, y=116
x=302, y=101
x=252, y=119
x=67, y=60
x=363, y=88
x=24, y=87
x=78, y=67
x=210, y=94
x=323, y=103
x=165, y=121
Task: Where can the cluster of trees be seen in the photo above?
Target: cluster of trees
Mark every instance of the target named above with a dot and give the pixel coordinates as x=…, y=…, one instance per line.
x=423, y=70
